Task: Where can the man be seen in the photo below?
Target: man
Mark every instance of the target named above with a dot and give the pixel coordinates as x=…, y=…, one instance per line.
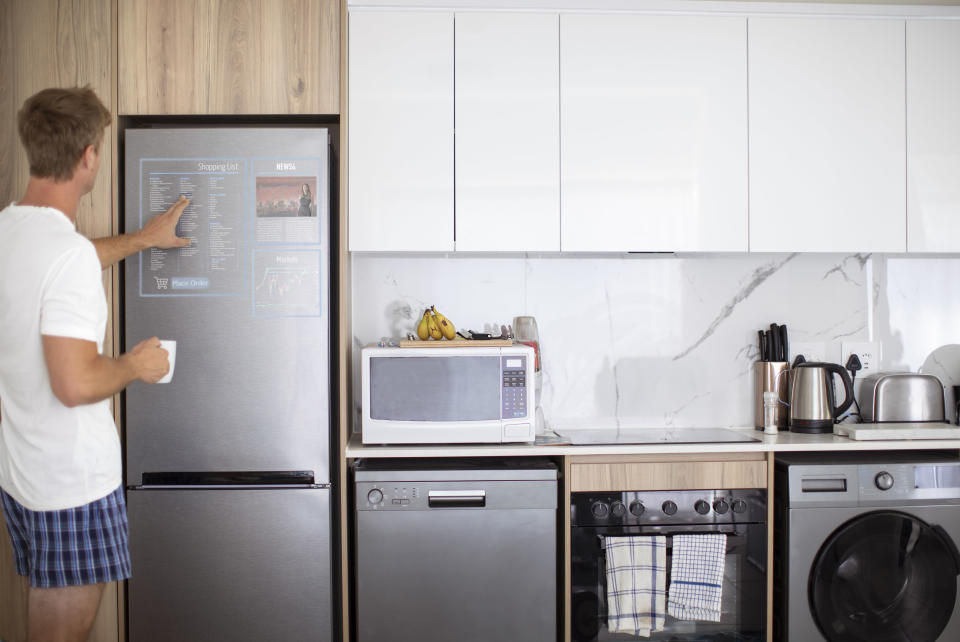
x=60, y=466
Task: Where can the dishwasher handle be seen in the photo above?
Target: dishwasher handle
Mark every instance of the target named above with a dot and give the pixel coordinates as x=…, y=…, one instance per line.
x=457, y=498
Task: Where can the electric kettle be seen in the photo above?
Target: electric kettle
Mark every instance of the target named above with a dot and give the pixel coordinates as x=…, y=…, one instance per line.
x=812, y=404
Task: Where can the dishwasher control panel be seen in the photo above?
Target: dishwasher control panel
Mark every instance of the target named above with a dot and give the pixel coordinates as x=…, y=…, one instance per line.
x=387, y=496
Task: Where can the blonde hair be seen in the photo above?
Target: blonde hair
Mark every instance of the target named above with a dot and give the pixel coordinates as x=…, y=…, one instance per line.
x=56, y=125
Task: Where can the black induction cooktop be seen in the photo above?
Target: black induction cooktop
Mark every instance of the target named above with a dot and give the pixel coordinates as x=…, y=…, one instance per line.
x=588, y=437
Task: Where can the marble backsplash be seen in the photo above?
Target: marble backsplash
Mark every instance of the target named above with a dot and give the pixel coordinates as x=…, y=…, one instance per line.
x=662, y=340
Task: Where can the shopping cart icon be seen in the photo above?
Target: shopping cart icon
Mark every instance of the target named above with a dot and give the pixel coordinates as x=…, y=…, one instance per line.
x=161, y=282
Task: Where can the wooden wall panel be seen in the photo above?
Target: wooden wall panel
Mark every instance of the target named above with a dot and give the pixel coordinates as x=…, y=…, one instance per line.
x=8, y=109
x=54, y=43
x=229, y=56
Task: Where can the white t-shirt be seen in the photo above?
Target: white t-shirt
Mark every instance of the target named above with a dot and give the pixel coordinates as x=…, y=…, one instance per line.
x=51, y=456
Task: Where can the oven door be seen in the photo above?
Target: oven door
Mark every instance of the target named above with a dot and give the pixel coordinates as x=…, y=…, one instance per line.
x=743, y=607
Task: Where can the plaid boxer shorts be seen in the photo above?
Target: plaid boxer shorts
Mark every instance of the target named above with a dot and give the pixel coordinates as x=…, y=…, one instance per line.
x=70, y=547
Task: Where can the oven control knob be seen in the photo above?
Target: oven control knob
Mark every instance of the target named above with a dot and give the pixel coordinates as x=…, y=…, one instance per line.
x=669, y=508
x=618, y=509
x=701, y=507
x=739, y=506
x=636, y=508
x=600, y=510
x=375, y=496
x=884, y=481
x=721, y=506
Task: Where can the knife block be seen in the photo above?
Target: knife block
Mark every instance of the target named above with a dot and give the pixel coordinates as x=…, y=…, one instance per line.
x=771, y=376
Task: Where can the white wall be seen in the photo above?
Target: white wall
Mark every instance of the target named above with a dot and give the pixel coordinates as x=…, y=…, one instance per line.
x=658, y=340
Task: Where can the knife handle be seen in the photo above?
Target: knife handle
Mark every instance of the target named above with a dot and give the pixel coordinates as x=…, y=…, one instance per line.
x=774, y=342
x=784, y=344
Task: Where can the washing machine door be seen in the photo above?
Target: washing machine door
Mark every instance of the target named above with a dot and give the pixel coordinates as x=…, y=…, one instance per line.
x=884, y=576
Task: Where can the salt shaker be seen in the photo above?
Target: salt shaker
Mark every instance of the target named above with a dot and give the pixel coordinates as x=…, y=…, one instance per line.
x=770, y=401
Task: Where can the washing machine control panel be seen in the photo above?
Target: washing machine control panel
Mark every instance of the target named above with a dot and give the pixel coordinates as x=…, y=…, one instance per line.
x=926, y=481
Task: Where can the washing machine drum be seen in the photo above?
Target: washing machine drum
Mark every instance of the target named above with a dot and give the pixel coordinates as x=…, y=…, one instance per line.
x=884, y=576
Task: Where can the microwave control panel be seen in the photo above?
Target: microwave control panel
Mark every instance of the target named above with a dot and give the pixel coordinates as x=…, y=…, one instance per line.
x=514, y=386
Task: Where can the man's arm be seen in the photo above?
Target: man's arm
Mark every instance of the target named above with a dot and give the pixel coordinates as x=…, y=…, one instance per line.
x=79, y=375
x=160, y=231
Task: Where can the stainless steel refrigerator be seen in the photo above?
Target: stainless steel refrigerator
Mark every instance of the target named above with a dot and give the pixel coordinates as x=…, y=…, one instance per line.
x=228, y=465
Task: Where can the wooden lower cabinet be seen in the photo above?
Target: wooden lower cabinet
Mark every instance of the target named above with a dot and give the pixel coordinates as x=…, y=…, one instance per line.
x=652, y=472
x=719, y=471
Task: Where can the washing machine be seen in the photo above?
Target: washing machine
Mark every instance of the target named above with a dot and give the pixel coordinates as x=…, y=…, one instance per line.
x=866, y=547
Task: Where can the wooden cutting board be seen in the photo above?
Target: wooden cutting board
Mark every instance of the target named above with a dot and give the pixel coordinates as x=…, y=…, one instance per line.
x=457, y=343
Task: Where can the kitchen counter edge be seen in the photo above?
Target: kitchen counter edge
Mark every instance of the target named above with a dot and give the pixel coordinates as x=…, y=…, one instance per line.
x=782, y=442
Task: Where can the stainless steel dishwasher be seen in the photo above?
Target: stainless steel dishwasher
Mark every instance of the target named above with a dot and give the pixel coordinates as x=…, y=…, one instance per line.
x=461, y=550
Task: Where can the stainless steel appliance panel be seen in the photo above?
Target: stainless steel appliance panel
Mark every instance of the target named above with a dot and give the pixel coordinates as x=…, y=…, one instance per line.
x=470, y=560
x=867, y=547
x=250, y=389
x=230, y=565
x=809, y=529
x=739, y=514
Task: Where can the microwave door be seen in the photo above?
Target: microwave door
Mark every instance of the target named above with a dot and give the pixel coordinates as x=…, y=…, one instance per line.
x=435, y=389
x=464, y=395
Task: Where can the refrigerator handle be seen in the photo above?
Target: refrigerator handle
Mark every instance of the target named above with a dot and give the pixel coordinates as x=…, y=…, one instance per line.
x=230, y=478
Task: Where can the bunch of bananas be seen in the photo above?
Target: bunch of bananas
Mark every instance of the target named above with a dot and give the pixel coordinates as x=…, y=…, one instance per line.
x=434, y=325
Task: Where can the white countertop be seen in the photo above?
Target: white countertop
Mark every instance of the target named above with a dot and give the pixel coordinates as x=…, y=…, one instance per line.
x=781, y=442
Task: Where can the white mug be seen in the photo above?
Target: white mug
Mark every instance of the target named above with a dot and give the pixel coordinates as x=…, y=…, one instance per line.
x=171, y=347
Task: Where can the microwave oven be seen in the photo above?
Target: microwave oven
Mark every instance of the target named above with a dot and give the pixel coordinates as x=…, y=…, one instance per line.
x=447, y=395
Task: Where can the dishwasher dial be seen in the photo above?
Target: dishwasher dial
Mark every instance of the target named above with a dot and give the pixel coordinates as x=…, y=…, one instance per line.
x=721, y=506
x=636, y=508
x=600, y=510
x=701, y=507
x=375, y=496
x=884, y=480
x=618, y=509
x=669, y=508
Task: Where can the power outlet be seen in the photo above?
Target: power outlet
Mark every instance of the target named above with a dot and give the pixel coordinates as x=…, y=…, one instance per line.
x=867, y=351
x=811, y=350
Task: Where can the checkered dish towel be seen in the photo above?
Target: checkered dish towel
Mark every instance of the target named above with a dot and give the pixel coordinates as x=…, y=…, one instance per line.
x=636, y=584
x=696, y=577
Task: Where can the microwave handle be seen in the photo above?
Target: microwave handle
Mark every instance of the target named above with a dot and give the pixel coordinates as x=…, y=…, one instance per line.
x=457, y=498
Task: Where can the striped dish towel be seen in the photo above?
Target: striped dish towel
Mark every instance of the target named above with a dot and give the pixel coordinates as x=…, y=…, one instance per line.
x=636, y=584
x=696, y=577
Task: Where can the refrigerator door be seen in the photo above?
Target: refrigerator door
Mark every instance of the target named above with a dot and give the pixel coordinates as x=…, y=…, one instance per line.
x=247, y=302
x=230, y=565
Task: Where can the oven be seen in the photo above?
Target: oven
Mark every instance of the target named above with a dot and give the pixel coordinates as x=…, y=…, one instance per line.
x=740, y=514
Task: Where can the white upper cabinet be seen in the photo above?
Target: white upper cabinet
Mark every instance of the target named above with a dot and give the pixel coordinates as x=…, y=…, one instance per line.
x=653, y=133
x=507, y=132
x=400, y=123
x=933, y=136
x=827, y=135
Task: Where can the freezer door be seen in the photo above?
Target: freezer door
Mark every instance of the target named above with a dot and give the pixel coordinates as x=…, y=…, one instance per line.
x=247, y=302
x=230, y=565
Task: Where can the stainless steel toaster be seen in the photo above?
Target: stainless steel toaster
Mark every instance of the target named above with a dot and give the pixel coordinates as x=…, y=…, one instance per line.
x=901, y=396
